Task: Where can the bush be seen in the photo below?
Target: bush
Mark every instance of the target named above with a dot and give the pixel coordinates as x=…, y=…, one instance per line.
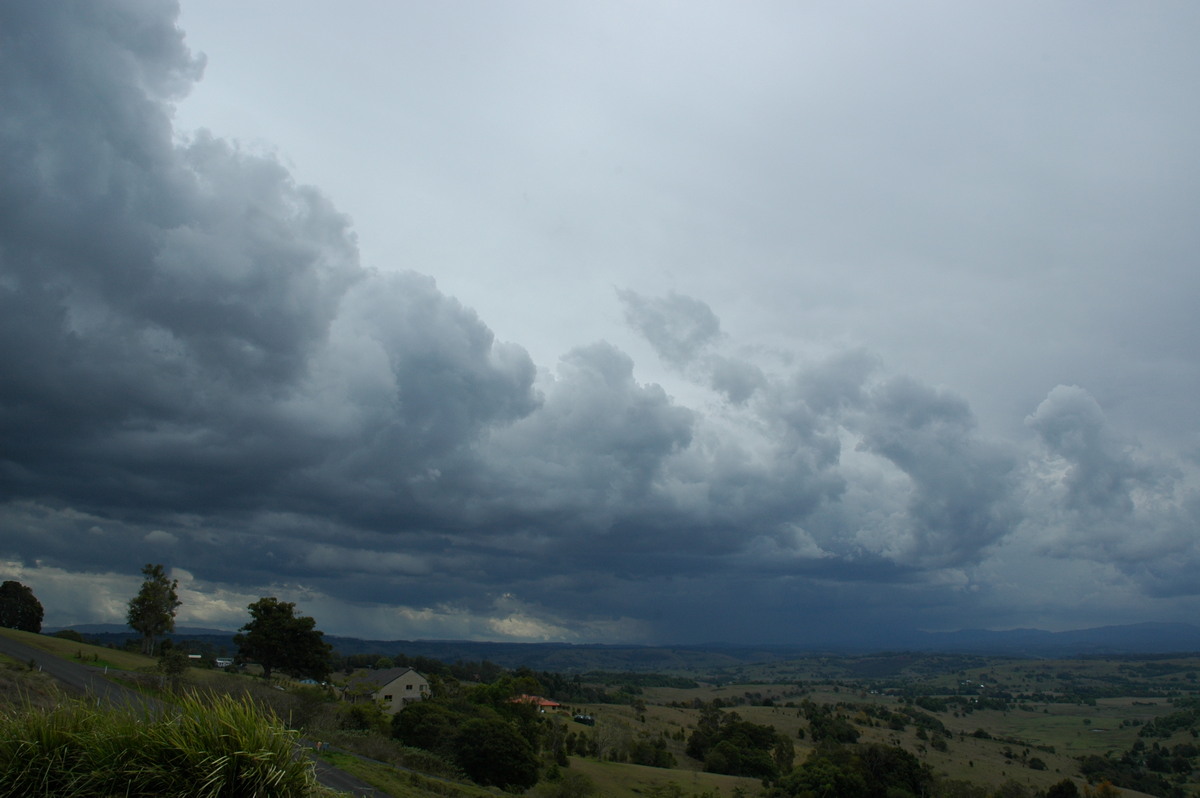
x=493, y=753
x=203, y=746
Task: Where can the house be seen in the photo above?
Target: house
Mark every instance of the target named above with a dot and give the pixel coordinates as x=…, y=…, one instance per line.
x=394, y=688
x=542, y=704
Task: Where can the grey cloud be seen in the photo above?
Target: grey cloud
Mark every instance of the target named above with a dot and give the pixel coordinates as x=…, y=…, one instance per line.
x=678, y=327
x=599, y=441
x=839, y=382
x=193, y=357
x=1104, y=499
x=737, y=380
x=962, y=487
x=1071, y=424
x=183, y=329
x=683, y=331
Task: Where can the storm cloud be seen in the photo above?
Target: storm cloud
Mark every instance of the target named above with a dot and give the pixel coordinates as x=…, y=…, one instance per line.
x=198, y=368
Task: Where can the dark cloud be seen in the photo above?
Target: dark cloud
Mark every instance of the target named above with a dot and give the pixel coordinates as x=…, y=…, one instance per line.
x=196, y=368
x=962, y=498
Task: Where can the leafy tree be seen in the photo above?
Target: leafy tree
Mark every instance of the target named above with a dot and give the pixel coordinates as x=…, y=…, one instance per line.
x=493, y=753
x=866, y=771
x=820, y=775
x=1063, y=789
x=173, y=664
x=728, y=744
x=428, y=724
x=19, y=608
x=276, y=638
x=152, y=610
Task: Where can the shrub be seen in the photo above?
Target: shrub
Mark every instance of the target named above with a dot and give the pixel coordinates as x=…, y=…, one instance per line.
x=202, y=746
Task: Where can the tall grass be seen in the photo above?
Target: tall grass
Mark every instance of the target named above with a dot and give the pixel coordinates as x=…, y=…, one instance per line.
x=204, y=746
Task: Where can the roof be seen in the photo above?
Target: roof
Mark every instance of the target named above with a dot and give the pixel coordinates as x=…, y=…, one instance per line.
x=536, y=700
x=387, y=676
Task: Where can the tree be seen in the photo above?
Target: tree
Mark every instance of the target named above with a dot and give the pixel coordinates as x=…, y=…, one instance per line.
x=152, y=610
x=276, y=638
x=1063, y=789
x=19, y=608
x=173, y=664
x=493, y=753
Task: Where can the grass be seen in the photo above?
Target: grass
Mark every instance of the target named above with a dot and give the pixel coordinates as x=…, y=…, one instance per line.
x=205, y=746
x=82, y=652
x=402, y=783
x=617, y=780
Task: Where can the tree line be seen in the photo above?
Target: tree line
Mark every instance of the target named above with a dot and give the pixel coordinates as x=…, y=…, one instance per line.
x=275, y=637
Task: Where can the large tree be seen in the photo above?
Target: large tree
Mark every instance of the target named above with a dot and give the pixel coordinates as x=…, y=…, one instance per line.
x=152, y=610
x=493, y=753
x=19, y=608
x=277, y=639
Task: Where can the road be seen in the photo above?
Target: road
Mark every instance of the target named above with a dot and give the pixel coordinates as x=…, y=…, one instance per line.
x=90, y=680
x=85, y=679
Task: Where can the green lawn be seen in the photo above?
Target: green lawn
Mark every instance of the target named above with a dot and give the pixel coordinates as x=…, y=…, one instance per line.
x=82, y=652
x=401, y=783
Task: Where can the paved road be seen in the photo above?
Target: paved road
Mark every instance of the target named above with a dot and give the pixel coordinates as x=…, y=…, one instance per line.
x=90, y=680
x=85, y=679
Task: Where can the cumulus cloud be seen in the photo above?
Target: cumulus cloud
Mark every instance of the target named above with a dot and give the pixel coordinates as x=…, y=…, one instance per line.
x=962, y=488
x=1107, y=500
x=197, y=368
x=1101, y=472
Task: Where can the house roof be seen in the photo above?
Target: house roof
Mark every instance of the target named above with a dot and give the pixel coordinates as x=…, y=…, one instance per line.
x=387, y=676
x=536, y=700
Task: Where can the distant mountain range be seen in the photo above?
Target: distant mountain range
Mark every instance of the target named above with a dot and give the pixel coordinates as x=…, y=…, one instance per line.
x=1134, y=639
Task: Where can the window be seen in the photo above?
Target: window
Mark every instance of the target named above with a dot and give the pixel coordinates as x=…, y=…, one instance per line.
x=387, y=698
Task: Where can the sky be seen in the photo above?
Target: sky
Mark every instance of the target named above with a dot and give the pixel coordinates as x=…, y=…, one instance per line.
x=628, y=322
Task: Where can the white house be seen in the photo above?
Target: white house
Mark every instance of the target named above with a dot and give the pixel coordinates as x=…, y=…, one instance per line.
x=395, y=688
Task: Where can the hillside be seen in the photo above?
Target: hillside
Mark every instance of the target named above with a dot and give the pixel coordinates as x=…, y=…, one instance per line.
x=1135, y=639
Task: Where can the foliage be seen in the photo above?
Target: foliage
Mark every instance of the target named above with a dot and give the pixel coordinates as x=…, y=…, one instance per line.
x=152, y=610
x=493, y=753
x=173, y=664
x=650, y=750
x=491, y=737
x=208, y=746
x=430, y=724
x=1186, y=717
x=727, y=744
x=866, y=771
x=827, y=726
x=1126, y=771
x=1063, y=789
x=19, y=608
x=276, y=638
x=365, y=716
